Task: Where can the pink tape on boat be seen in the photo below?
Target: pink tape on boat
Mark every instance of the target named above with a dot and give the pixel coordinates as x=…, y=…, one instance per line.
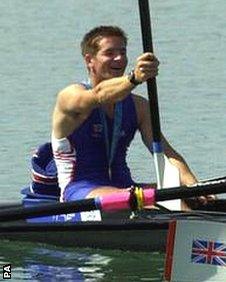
x=115, y=201
x=120, y=200
x=149, y=196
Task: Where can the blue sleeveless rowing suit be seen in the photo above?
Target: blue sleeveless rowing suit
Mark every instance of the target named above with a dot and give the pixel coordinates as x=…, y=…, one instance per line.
x=93, y=142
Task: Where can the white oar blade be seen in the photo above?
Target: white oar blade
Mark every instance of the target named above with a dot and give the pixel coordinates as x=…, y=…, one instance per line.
x=171, y=176
x=167, y=176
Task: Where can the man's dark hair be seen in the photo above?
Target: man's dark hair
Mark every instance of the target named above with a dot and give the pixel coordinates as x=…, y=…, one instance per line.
x=90, y=42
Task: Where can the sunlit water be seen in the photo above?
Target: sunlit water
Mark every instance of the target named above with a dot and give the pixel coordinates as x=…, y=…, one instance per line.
x=42, y=263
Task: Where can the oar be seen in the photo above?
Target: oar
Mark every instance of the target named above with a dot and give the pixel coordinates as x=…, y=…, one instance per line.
x=113, y=202
x=167, y=175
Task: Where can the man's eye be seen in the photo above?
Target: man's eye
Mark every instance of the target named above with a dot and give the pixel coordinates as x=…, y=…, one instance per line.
x=109, y=53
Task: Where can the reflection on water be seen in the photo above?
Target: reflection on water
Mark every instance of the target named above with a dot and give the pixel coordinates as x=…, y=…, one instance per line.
x=44, y=263
x=80, y=266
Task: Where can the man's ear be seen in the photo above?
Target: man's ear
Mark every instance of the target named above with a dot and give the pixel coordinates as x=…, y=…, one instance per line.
x=88, y=60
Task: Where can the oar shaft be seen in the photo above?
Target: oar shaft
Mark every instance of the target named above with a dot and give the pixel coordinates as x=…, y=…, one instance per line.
x=184, y=192
x=145, y=21
x=18, y=213
x=111, y=202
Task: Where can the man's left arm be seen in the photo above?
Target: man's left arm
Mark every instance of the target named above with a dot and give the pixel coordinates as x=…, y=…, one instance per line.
x=144, y=124
x=187, y=177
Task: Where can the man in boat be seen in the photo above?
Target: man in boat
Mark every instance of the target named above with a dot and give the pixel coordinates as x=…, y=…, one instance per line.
x=94, y=122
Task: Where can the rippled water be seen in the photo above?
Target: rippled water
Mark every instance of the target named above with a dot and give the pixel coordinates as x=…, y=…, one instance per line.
x=42, y=263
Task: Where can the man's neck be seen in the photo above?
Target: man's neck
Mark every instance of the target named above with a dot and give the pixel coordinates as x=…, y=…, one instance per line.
x=94, y=81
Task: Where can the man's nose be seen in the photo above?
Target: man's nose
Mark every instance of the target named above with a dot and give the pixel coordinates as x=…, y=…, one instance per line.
x=118, y=57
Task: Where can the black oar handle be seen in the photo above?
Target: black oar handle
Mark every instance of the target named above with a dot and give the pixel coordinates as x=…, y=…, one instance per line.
x=151, y=83
x=20, y=213
x=184, y=192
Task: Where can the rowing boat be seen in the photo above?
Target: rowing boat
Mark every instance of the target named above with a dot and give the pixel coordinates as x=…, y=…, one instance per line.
x=146, y=230
x=175, y=233
x=111, y=233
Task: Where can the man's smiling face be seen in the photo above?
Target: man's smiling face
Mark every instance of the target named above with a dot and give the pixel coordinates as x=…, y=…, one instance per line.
x=110, y=60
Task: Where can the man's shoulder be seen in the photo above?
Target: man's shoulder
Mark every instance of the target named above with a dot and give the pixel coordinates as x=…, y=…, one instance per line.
x=71, y=89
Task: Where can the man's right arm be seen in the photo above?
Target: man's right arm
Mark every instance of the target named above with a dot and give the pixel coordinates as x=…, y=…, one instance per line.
x=77, y=99
x=74, y=103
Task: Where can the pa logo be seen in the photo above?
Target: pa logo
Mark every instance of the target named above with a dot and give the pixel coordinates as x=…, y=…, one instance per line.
x=7, y=271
